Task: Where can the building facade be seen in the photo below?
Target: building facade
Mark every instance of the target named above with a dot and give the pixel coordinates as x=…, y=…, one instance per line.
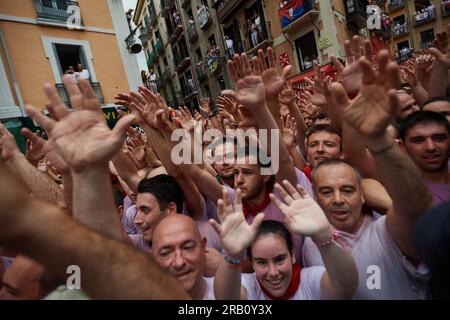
x=415, y=24
x=184, y=48
x=41, y=39
x=300, y=32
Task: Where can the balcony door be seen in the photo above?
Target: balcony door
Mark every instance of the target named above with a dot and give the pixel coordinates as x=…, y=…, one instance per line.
x=69, y=55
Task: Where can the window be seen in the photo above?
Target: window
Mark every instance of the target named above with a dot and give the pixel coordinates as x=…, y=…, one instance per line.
x=306, y=50
x=402, y=45
x=421, y=4
x=70, y=56
x=427, y=38
x=61, y=4
x=47, y=3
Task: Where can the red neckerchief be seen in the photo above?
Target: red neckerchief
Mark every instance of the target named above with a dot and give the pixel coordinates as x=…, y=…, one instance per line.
x=307, y=170
x=255, y=209
x=291, y=290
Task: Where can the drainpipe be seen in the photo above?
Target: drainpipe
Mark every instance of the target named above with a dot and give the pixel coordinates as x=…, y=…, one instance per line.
x=13, y=75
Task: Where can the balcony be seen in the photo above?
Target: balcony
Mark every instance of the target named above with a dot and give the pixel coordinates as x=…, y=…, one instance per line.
x=400, y=30
x=152, y=14
x=261, y=43
x=403, y=55
x=201, y=72
x=189, y=90
x=356, y=14
x=185, y=3
x=204, y=18
x=175, y=33
x=215, y=3
x=216, y=65
x=291, y=22
x=445, y=9
x=225, y=8
x=165, y=6
x=396, y=5
x=181, y=61
x=151, y=59
x=425, y=17
x=192, y=33
x=65, y=96
x=55, y=11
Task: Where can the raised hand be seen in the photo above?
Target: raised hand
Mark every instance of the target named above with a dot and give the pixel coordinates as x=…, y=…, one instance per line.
x=289, y=131
x=351, y=73
x=372, y=110
x=48, y=148
x=274, y=83
x=235, y=233
x=250, y=89
x=442, y=48
x=302, y=215
x=34, y=152
x=8, y=145
x=287, y=96
x=83, y=137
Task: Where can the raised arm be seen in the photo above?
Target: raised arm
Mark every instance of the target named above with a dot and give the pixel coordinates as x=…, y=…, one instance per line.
x=86, y=144
x=235, y=236
x=39, y=183
x=251, y=91
x=370, y=114
x=44, y=233
x=303, y=216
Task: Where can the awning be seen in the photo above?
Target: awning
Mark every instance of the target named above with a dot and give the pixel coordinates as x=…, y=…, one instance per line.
x=327, y=69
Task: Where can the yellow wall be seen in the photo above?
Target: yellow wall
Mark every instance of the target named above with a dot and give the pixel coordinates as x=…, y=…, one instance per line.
x=95, y=13
x=32, y=70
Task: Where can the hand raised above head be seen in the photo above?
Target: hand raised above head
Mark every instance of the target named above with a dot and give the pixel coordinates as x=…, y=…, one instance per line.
x=82, y=136
x=234, y=231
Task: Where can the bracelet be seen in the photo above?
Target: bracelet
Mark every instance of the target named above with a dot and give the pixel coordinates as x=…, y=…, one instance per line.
x=332, y=239
x=230, y=260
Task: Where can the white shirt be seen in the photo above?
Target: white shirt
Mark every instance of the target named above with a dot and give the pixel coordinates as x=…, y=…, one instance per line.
x=309, y=288
x=373, y=249
x=209, y=295
x=229, y=43
x=84, y=74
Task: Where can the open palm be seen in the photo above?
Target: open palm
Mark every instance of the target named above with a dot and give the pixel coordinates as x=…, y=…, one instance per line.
x=235, y=233
x=302, y=215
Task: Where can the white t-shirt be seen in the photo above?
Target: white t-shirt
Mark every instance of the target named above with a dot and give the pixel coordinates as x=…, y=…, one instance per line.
x=209, y=295
x=309, y=288
x=378, y=258
x=84, y=74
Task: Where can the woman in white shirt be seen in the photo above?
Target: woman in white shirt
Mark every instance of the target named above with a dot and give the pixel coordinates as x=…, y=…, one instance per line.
x=270, y=250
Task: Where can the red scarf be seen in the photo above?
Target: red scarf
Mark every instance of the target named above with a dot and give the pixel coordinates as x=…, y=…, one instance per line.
x=291, y=290
x=255, y=209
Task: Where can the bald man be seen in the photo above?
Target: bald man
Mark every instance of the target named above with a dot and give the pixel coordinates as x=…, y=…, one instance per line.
x=179, y=249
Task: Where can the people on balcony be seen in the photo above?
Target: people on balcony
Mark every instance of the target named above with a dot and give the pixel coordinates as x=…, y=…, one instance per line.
x=445, y=7
x=307, y=64
x=71, y=71
x=192, y=25
x=230, y=47
x=400, y=28
x=152, y=81
x=176, y=17
x=427, y=13
x=82, y=73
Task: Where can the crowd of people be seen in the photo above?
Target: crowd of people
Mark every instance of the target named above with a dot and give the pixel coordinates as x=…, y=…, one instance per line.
x=427, y=13
x=360, y=162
